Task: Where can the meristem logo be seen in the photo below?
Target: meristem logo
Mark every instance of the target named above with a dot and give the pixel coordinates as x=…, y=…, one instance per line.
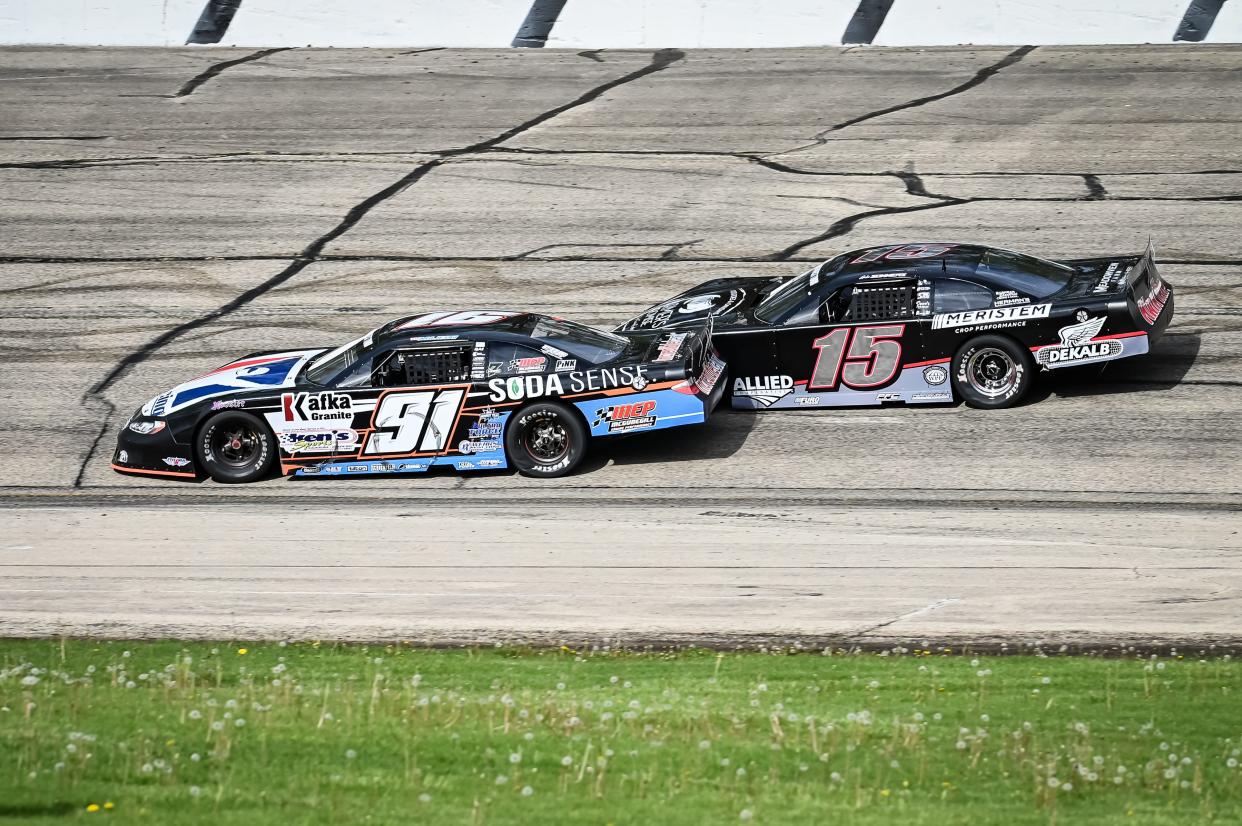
x=966, y=318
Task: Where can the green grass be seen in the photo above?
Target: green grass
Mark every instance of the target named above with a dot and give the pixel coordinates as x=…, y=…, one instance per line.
x=204, y=733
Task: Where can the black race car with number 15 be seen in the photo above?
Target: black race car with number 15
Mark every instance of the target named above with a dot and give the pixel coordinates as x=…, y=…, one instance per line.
x=476, y=390
x=920, y=323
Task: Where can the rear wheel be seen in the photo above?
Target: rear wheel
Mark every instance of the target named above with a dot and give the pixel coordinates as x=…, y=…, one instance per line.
x=545, y=439
x=235, y=447
x=991, y=372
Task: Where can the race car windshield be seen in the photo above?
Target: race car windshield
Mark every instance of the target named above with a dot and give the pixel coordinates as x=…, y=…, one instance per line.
x=1025, y=273
x=579, y=340
x=789, y=296
x=342, y=358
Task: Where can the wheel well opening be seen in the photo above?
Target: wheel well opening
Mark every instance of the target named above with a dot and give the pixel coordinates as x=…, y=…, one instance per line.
x=555, y=400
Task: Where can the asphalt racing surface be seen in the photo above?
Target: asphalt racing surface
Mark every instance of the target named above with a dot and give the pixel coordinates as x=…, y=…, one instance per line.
x=163, y=211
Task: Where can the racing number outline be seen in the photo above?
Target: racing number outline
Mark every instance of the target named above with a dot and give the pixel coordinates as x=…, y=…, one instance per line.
x=414, y=421
x=861, y=358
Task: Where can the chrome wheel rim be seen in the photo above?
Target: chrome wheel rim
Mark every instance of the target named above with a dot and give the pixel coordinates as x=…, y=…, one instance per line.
x=991, y=372
x=547, y=441
x=236, y=446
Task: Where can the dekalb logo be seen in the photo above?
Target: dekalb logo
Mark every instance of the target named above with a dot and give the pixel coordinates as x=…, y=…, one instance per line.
x=767, y=390
x=1077, y=346
x=317, y=407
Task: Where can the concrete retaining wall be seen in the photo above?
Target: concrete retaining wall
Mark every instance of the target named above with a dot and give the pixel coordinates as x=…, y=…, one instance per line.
x=595, y=24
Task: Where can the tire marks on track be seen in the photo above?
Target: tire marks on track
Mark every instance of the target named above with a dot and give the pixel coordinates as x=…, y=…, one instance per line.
x=660, y=60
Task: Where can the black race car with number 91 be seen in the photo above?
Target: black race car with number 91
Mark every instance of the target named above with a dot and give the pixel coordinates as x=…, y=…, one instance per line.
x=476, y=390
x=920, y=324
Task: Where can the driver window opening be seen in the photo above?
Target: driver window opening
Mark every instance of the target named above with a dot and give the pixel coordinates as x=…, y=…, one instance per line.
x=438, y=365
x=953, y=296
x=879, y=303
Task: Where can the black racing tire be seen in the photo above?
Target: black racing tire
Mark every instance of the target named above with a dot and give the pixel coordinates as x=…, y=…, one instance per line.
x=546, y=440
x=235, y=447
x=992, y=372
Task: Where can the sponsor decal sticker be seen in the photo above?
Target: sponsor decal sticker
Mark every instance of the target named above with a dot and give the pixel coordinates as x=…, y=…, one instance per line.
x=453, y=319
x=485, y=430
x=228, y=404
x=767, y=390
x=1076, y=346
x=557, y=384
x=968, y=318
x=318, y=441
x=1151, y=306
x=935, y=374
x=478, y=360
x=552, y=351
x=533, y=364
x=806, y=400
x=698, y=304
x=942, y=396
x=565, y=365
x=922, y=297
x=625, y=417
x=661, y=314
x=489, y=463
x=888, y=397
x=1006, y=298
x=157, y=406
x=249, y=374
x=478, y=447
x=123, y=456
x=710, y=374
x=176, y=461
x=670, y=346
x=1112, y=278
x=317, y=407
x=872, y=275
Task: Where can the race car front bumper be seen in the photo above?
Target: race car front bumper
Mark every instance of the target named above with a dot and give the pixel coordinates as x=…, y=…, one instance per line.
x=152, y=454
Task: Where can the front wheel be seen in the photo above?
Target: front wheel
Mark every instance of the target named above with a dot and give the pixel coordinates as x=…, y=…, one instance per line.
x=991, y=372
x=545, y=439
x=235, y=447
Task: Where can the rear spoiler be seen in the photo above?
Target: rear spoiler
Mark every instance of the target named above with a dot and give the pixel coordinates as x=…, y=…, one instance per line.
x=1146, y=262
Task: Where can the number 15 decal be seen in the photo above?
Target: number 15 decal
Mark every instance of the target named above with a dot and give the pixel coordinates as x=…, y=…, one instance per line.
x=872, y=360
x=402, y=419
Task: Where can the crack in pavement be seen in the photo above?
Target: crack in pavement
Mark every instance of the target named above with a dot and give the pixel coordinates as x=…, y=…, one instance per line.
x=845, y=226
x=660, y=60
x=926, y=609
x=216, y=68
x=979, y=77
x=18, y=139
x=664, y=256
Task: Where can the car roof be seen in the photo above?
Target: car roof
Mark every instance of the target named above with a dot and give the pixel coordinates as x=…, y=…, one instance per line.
x=455, y=323
x=958, y=256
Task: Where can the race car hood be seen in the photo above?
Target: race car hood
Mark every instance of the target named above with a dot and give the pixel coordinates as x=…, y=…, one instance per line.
x=727, y=301
x=258, y=371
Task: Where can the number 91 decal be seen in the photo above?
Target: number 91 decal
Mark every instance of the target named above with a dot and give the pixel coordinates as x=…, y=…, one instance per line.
x=858, y=357
x=407, y=423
